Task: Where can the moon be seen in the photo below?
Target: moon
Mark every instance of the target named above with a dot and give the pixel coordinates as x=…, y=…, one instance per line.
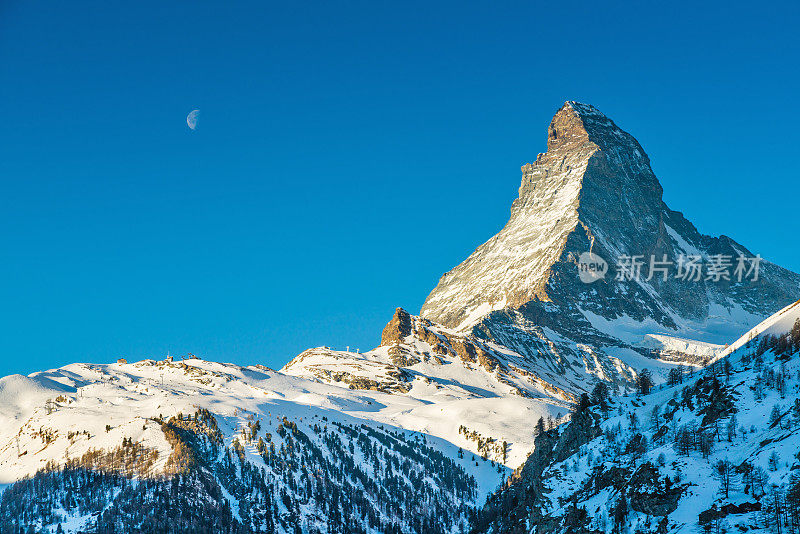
x=192, y=118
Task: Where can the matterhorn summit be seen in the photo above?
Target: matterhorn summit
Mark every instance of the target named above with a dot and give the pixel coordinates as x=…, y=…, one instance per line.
x=594, y=191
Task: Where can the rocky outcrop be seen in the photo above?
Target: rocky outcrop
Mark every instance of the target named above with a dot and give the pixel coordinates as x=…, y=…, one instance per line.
x=350, y=370
x=715, y=513
x=397, y=328
x=652, y=495
x=402, y=325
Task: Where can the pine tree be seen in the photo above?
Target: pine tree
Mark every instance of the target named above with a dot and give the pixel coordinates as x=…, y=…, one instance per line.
x=540, y=429
x=600, y=395
x=655, y=419
x=674, y=377
x=583, y=404
x=724, y=470
x=620, y=512
x=774, y=461
x=644, y=381
x=732, y=427
x=775, y=416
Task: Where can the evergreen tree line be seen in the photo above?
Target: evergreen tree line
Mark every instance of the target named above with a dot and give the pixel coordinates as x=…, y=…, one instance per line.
x=332, y=478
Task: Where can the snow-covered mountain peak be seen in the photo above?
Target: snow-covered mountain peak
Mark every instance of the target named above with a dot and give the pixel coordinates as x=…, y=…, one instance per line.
x=590, y=164
x=594, y=190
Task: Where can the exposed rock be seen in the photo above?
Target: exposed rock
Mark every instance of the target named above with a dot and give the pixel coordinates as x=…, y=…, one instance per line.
x=398, y=328
x=402, y=357
x=651, y=495
x=616, y=477
x=715, y=512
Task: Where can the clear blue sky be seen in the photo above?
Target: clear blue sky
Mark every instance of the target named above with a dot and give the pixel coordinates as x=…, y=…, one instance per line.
x=348, y=153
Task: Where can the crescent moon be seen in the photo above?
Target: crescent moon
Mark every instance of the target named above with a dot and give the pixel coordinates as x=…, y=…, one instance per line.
x=192, y=118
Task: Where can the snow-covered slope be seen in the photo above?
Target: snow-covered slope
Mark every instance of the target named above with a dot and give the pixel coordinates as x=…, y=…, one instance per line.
x=682, y=348
x=467, y=399
x=129, y=397
x=719, y=449
x=438, y=381
x=83, y=412
x=777, y=324
x=19, y=393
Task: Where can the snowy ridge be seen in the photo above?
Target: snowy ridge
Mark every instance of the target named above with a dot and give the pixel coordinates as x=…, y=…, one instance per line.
x=130, y=397
x=441, y=380
x=681, y=346
x=777, y=324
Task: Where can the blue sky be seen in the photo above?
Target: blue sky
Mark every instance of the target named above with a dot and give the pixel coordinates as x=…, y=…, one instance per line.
x=348, y=154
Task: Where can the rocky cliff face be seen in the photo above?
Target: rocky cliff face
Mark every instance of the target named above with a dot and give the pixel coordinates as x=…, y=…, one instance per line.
x=593, y=190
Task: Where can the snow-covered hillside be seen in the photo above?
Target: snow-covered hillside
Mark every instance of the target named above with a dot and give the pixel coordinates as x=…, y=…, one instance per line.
x=777, y=324
x=81, y=410
x=718, y=449
x=446, y=395
x=434, y=396
x=451, y=397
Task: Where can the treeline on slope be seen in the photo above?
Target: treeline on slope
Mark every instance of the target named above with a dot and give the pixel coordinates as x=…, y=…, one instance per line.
x=784, y=344
x=516, y=505
x=359, y=477
x=113, y=503
x=338, y=479
x=614, y=458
